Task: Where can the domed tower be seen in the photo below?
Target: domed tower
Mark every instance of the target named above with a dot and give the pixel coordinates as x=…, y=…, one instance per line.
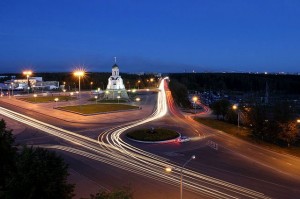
x=115, y=70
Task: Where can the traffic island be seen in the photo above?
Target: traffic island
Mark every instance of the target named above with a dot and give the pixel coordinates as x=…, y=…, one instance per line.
x=158, y=135
x=91, y=109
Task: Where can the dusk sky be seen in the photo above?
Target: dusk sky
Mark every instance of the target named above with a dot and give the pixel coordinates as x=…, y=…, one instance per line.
x=150, y=36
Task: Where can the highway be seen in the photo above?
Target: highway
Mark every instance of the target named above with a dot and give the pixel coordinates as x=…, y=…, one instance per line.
x=111, y=149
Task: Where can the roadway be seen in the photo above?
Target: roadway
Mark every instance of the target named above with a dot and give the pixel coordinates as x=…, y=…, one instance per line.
x=214, y=174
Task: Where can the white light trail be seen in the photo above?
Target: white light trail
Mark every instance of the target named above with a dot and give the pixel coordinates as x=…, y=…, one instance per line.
x=118, y=153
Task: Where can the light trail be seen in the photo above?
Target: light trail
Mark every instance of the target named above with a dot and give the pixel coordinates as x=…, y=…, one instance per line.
x=116, y=152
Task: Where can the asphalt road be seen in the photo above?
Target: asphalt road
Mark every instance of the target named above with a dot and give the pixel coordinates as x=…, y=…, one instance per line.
x=235, y=161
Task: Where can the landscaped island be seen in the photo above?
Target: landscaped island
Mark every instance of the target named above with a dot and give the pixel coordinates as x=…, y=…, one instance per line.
x=98, y=108
x=151, y=135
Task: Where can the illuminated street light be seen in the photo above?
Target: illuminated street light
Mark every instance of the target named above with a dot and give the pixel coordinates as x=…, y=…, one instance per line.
x=139, y=84
x=235, y=107
x=56, y=100
x=12, y=88
x=35, y=95
x=118, y=98
x=27, y=73
x=169, y=170
x=79, y=73
x=96, y=97
x=195, y=98
x=298, y=120
x=91, y=85
x=137, y=99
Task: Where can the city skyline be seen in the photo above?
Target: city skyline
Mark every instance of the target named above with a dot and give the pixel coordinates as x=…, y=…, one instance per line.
x=214, y=36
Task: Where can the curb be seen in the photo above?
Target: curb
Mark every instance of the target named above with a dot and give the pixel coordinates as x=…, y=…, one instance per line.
x=154, y=142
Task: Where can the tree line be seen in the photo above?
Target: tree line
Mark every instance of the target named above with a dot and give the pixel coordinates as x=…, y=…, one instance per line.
x=286, y=84
x=272, y=123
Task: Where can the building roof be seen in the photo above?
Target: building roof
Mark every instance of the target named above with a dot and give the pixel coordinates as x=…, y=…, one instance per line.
x=115, y=66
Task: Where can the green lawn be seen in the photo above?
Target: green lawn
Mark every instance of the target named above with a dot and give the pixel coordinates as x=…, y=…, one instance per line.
x=98, y=108
x=158, y=134
x=245, y=134
x=107, y=101
x=44, y=99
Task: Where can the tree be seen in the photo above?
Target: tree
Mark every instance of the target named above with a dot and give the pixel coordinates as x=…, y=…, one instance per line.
x=221, y=107
x=179, y=93
x=40, y=174
x=288, y=132
x=122, y=193
x=7, y=156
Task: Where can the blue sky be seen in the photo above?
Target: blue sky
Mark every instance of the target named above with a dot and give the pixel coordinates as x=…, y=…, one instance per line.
x=157, y=36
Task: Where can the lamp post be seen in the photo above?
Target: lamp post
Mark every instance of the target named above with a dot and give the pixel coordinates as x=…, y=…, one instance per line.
x=137, y=99
x=235, y=107
x=12, y=88
x=91, y=85
x=118, y=98
x=56, y=100
x=195, y=98
x=27, y=73
x=96, y=97
x=169, y=169
x=139, y=84
x=79, y=73
x=34, y=95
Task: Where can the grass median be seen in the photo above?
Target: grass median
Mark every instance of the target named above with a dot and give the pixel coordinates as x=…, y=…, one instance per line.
x=98, y=108
x=159, y=134
x=45, y=99
x=245, y=134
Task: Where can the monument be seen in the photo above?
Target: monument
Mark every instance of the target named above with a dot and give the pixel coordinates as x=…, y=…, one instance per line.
x=115, y=88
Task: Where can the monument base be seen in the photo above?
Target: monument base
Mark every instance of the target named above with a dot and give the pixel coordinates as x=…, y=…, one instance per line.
x=111, y=94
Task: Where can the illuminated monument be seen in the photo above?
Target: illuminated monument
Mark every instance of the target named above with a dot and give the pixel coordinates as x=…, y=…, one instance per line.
x=115, y=88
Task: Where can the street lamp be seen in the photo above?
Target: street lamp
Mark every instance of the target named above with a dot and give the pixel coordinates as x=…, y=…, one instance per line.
x=34, y=95
x=118, y=98
x=12, y=88
x=195, y=98
x=298, y=120
x=96, y=97
x=27, y=73
x=235, y=107
x=56, y=100
x=79, y=73
x=91, y=85
x=169, y=169
x=139, y=84
x=137, y=99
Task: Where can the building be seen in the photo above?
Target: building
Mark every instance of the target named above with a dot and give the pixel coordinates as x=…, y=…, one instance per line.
x=115, y=88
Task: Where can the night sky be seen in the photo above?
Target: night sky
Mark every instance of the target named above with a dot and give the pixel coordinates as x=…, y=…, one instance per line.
x=150, y=36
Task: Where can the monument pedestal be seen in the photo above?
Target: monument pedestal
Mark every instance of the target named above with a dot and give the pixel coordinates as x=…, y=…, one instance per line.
x=112, y=94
